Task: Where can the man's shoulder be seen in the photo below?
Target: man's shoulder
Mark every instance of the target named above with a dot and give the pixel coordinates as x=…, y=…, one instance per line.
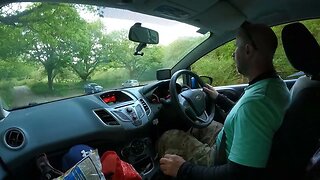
x=270, y=82
x=273, y=88
x=253, y=101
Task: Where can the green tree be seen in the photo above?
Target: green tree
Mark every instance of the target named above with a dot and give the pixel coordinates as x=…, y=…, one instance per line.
x=12, y=44
x=179, y=48
x=219, y=65
x=49, y=36
x=88, y=50
x=280, y=60
x=16, y=70
x=121, y=52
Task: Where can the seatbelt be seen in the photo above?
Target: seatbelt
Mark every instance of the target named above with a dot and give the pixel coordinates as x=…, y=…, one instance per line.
x=221, y=156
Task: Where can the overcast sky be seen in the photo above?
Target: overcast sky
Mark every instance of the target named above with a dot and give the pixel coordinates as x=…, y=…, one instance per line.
x=169, y=30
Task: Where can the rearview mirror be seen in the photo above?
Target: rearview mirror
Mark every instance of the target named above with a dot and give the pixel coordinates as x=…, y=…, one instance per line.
x=141, y=34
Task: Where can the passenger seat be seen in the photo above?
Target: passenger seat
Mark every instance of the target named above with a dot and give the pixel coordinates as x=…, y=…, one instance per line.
x=298, y=137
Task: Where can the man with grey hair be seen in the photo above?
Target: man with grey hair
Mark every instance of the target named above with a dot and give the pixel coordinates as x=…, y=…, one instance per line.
x=241, y=149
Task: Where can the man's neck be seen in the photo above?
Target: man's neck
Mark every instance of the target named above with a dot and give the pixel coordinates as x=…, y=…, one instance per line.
x=258, y=69
x=270, y=73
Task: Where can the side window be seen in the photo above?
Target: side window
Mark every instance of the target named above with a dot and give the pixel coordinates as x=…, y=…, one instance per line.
x=282, y=65
x=219, y=64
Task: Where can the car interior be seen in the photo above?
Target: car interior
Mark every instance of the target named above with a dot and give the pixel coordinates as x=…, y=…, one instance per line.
x=129, y=120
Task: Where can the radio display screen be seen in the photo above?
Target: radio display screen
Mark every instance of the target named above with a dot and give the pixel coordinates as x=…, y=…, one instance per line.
x=115, y=97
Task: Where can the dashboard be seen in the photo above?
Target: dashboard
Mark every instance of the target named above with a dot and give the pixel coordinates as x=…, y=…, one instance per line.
x=161, y=93
x=125, y=107
x=123, y=120
x=116, y=119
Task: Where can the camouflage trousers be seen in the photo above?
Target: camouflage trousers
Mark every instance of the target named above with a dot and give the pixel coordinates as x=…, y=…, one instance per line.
x=196, y=145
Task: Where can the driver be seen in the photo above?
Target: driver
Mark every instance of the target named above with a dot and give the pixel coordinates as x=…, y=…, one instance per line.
x=242, y=147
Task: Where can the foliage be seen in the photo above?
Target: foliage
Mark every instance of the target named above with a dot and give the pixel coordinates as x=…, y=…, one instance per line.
x=179, y=48
x=19, y=70
x=88, y=50
x=61, y=90
x=56, y=36
x=121, y=52
x=5, y=93
x=219, y=65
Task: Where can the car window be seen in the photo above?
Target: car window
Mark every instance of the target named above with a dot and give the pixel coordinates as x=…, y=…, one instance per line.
x=51, y=51
x=220, y=65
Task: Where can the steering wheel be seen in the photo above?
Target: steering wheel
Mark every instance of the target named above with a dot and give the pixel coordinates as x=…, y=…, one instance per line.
x=193, y=105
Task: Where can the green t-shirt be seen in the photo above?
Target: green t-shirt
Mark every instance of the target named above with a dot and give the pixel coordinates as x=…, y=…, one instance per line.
x=252, y=122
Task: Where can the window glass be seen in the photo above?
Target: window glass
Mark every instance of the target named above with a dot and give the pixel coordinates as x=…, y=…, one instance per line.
x=52, y=51
x=220, y=65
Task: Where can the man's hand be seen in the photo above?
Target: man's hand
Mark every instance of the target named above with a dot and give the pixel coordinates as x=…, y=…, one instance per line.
x=170, y=164
x=211, y=91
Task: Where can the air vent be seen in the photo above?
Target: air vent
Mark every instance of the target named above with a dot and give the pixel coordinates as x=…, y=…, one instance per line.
x=145, y=106
x=106, y=117
x=14, y=138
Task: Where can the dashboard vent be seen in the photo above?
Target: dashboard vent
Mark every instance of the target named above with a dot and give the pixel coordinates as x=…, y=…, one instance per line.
x=145, y=106
x=14, y=138
x=106, y=117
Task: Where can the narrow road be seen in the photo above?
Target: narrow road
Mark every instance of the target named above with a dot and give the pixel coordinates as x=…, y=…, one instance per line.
x=22, y=96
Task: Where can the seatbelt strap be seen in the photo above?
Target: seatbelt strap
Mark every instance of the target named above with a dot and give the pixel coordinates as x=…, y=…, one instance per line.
x=221, y=156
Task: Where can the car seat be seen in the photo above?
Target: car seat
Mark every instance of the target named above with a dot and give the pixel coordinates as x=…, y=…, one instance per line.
x=298, y=137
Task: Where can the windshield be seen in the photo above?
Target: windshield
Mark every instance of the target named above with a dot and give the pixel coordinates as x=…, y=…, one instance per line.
x=53, y=51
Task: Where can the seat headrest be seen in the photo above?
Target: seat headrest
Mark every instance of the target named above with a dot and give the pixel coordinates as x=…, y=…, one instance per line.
x=301, y=48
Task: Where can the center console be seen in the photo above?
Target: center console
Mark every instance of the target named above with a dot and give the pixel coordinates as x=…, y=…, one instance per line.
x=140, y=153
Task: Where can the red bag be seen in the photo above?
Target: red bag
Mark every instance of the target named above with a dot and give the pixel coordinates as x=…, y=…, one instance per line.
x=114, y=167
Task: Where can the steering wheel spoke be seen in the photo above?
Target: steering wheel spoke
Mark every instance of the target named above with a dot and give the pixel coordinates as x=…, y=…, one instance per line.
x=203, y=117
x=183, y=102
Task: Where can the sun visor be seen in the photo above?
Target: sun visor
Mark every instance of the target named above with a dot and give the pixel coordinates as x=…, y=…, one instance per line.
x=194, y=5
x=181, y=11
x=221, y=17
